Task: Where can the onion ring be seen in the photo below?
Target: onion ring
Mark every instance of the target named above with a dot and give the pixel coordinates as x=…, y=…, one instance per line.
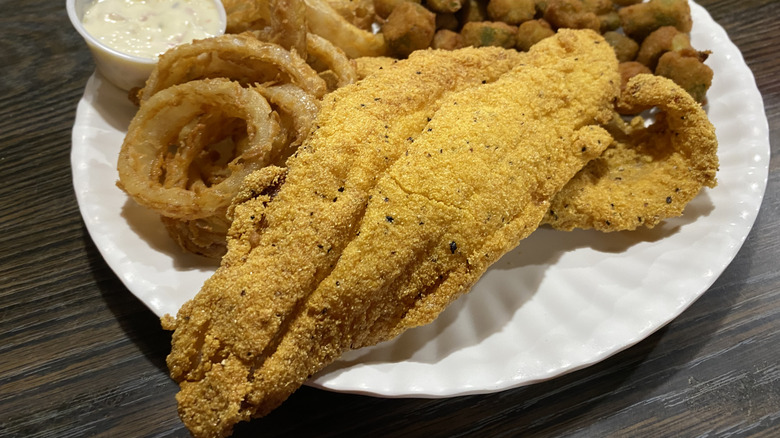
x=333, y=61
x=326, y=22
x=288, y=25
x=297, y=110
x=281, y=22
x=241, y=57
x=205, y=237
x=360, y=13
x=159, y=160
x=244, y=15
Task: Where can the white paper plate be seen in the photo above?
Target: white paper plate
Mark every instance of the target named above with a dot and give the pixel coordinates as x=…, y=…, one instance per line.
x=559, y=302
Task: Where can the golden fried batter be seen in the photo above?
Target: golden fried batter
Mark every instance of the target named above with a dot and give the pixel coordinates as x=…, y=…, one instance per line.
x=367, y=65
x=361, y=130
x=414, y=181
x=651, y=173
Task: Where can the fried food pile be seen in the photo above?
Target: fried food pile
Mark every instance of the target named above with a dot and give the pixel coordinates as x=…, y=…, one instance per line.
x=648, y=37
x=293, y=52
x=352, y=196
x=410, y=185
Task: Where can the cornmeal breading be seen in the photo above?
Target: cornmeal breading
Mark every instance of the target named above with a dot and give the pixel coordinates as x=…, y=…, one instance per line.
x=276, y=256
x=369, y=65
x=651, y=173
x=414, y=181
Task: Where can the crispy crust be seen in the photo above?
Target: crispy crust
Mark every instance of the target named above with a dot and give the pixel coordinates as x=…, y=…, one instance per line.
x=413, y=182
x=651, y=173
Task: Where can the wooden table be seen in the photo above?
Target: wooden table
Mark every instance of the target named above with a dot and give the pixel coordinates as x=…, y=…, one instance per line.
x=81, y=356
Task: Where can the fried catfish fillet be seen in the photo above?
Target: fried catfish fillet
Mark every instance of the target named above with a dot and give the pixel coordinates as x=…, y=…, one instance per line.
x=277, y=260
x=651, y=173
x=414, y=181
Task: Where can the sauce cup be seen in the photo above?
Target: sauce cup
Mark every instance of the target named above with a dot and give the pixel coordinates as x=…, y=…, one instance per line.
x=121, y=69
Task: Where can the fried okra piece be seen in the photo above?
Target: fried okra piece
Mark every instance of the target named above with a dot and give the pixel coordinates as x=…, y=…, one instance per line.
x=609, y=21
x=445, y=6
x=626, y=2
x=625, y=48
x=606, y=13
x=599, y=7
x=473, y=10
x=447, y=21
x=571, y=14
x=489, y=33
x=628, y=70
x=531, y=32
x=660, y=41
x=640, y=20
x=409, y=27
x=383, y=8
x=511, y=12
x=446, y=39
x=688, y=71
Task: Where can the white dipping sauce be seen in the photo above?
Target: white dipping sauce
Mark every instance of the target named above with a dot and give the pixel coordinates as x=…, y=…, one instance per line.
x=147, y=28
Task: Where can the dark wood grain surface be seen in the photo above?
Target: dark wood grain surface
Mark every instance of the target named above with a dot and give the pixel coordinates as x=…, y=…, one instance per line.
x=81, y=356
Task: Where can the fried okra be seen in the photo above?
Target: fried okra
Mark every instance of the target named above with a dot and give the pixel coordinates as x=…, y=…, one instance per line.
x=641, y=32
x=640, y=20
x=531, y=32
x=444, y=6
x=660, y=41
x=571, y=14
x=606, y=13
x=511, y=11
x=447, y=21
x=626, y=2
x=625, y=48
x=473, y=10
x=598, y=7
x=408, y=28
x=609, y=21
x=383, y=8
x=687, y=69
x=446, y=39
x=489, y=33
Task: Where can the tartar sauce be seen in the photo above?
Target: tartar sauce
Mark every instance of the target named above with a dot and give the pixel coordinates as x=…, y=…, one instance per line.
x=147, y=28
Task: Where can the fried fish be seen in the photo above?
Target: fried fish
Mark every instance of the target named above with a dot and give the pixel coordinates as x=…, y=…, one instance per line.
x=650, y=173
x=413, y=182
